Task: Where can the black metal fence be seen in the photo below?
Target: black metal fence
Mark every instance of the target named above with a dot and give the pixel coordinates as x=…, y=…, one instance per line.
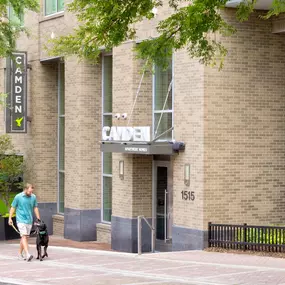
x=245, y=237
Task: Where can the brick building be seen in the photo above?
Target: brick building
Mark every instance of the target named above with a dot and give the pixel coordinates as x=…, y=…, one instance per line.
x=90, y=186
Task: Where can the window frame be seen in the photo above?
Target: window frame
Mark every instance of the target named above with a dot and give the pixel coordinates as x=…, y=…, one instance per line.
x=154, y=112
x=102, y=154
x=59, y=117
x=52, y=14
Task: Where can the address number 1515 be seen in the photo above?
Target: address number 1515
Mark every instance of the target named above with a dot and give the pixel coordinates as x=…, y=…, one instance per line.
x=188, y=195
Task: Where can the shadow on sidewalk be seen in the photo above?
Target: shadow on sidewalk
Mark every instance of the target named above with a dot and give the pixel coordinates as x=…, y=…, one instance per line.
x=60, y=241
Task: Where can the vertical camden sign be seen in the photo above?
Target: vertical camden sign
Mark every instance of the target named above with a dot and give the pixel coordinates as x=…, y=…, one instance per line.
x=16, y=111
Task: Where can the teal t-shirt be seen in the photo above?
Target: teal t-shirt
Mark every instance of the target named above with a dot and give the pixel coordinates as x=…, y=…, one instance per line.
x=24, y=206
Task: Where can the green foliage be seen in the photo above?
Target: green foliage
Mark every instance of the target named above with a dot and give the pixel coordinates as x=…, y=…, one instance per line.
x=261, y=237
x=10, y=30
x=190, y=27
x=244, y=10
x=3, y=208
x=102, y=24
x=11, y=170
x=107, y=24
x=278, y=7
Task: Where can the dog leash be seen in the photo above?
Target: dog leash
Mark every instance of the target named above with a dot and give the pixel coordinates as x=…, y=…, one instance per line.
x=31, y=234
x=15, y=229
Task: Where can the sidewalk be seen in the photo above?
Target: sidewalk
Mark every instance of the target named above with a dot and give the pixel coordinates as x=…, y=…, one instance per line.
x=69, y=265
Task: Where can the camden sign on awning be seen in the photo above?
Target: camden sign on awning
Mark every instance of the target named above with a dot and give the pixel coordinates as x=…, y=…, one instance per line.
x=16, y=89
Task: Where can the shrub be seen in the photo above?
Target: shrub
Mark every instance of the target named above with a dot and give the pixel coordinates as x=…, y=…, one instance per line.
x=11, y=171
x=261, y=236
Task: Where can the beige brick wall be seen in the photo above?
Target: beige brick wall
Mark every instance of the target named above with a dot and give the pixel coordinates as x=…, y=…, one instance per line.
x=123, y=96
x=47, y=26
x=142, y=186
x=59, y=24
x=188, y=128
x=122, y=202
x=39, y=144
x=41, y=150
x=124, y=87
x=83, y=133
x=142, y=89
x=58, y=225
x=103, y=233
x=147, y=28
x=83, y=95
x=132, y=195
x=30, y=42
x=244, y=129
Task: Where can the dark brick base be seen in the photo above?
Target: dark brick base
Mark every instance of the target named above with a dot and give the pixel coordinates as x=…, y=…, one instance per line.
x=80, y=225
x=188, y=239
x=124, y=235
x=47, y=210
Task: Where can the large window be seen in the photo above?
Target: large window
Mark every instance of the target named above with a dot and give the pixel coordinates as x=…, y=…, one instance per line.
x=107, y=63
x=53, y=6
x=163, y=102
x=61, y=137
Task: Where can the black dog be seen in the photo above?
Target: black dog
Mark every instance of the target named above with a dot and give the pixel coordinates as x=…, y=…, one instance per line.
x=42, y=239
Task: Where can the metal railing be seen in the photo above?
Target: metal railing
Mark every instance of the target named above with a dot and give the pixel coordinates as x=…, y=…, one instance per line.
x=140, y=234
x=247, y=237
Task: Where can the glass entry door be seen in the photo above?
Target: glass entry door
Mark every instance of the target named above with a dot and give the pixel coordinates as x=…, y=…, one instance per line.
x=163, y=200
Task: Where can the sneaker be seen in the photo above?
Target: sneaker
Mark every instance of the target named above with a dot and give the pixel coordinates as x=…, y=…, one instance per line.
x=29, y=258
x=21, y=257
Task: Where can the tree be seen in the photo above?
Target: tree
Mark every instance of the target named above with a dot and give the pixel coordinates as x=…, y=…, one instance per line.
x=110, y=23
x=11, y=169
x=9, y=29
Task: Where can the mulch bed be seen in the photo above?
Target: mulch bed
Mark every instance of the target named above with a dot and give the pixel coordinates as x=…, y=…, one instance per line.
x=251, y=252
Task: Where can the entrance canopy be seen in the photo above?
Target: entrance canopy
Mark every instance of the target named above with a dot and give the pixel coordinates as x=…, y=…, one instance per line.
x=152, y=148
x=260, y=5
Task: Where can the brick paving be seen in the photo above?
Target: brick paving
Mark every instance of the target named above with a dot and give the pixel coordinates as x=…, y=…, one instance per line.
x=70, y=265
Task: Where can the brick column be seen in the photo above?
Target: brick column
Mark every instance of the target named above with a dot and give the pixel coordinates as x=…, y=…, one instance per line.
x=132, y=196
x=39, y=145
x=82, y=150
x=188, y=232
x=244, y=134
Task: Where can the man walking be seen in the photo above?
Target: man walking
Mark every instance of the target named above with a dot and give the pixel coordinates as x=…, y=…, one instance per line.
x=24, y=204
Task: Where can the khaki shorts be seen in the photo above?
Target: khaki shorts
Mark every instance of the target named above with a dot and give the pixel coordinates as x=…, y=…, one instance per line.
x=24, y=229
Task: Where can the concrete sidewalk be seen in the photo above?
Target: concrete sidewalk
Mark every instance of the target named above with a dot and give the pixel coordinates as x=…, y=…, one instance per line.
x=80, y=266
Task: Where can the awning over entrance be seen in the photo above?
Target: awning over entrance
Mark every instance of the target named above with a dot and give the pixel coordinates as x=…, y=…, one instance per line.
x=163, y=148
x=260, y=5
x=48, y=60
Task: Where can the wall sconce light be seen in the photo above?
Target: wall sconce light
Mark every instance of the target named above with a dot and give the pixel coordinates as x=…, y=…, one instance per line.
x=187, y=174
x=121, y=169
x=154, y=11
